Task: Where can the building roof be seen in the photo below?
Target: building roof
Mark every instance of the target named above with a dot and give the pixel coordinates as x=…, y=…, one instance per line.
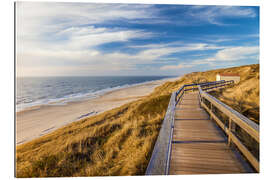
x=228, y=74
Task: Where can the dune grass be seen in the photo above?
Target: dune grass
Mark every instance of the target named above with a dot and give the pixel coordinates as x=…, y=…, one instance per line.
x=244, y=97
x=116, y=142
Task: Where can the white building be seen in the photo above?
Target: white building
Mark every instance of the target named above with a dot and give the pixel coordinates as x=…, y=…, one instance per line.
x=228, y=77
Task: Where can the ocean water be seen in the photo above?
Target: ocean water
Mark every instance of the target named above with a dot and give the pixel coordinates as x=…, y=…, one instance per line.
x=32, y=91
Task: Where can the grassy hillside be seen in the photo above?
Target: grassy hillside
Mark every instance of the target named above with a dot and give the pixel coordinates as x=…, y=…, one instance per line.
x=244, y=97
x=119, y=141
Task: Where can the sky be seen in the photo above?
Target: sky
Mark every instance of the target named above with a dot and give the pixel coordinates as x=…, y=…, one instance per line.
x=93, y=39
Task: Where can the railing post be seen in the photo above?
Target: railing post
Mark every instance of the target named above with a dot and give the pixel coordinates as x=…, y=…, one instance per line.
x=232, y=127
x=199, y=96
x=211, y=109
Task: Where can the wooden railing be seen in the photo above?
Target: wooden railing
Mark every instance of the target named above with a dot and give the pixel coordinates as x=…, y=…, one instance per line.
x=159, y=162
x=209, y=103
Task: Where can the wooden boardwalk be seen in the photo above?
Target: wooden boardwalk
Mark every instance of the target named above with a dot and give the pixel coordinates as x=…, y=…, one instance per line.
x=198, y=145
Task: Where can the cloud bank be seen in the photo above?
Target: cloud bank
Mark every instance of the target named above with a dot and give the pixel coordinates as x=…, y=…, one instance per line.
x=58, y=39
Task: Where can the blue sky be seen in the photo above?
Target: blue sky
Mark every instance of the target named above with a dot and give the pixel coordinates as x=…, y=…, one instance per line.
x=87, y=39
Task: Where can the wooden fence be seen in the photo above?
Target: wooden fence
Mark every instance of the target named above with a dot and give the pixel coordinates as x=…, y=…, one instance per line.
x=235, y=118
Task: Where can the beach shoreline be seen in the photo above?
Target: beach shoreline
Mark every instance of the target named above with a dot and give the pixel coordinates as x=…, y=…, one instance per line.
x=39, y=120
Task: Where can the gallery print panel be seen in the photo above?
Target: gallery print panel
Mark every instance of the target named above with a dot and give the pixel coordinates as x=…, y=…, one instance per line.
x=136, y=89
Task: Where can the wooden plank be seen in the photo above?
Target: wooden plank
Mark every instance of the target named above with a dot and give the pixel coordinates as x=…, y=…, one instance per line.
x=189, y=110
x=204, y=158
x=209, y=171
x=193, y=101
x=204, y=146
x=209, y=168
x=200, y=112
x=186, y=172
x=190, y=114
x=206, y=165
x=188, y=106
x=210, y=161
x=219, y=167
x=196, y=125
x=184, y=133
x=203, y=154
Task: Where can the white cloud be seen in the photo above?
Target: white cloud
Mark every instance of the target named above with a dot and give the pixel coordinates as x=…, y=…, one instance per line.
x=66, y=35
x=53, y=34
x=235, y=53
x=115, y=60
x=152, y=52
x=228, y=54
x=216, y=14
x=79, y=40
x=179, y=66
x=51, y=17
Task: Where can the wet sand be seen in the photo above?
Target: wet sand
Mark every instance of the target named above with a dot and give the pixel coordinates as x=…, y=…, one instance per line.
x=40, y=120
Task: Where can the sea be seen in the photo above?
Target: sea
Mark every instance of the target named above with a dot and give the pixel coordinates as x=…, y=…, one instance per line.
x=35, y=91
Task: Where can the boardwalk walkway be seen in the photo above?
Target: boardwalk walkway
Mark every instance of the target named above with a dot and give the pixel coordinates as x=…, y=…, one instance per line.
x=198, y=145
x=190, y=142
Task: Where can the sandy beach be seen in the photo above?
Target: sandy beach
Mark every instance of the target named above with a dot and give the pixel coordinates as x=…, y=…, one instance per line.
x=40, y=120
